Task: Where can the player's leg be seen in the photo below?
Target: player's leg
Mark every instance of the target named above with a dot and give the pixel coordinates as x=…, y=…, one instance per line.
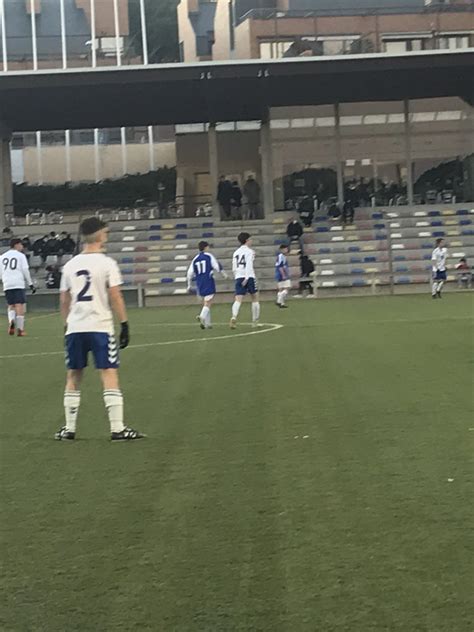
x=104, y=348
x=440, y=285
x=76, y=361
x=20, y=318
x=434, y=287
x=255, y=308
x=205, y=315
x=240, y=292
x=11, y=313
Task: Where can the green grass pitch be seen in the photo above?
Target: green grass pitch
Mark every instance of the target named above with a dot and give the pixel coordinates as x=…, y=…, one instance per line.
x=313, y=478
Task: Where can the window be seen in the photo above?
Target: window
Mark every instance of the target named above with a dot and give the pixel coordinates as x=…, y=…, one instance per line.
x=453, y=42
x=404, y=45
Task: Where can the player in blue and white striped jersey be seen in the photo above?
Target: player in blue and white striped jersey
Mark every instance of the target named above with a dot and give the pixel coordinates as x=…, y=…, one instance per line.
x=282, y=276
x=202, y=270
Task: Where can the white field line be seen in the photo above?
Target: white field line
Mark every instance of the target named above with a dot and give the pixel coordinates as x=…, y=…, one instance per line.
x=255, y=332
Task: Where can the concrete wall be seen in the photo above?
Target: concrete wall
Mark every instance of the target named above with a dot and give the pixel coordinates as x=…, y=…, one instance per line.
x=238, y=154
x=187, y=36
x=83, y=165
x=221, y=48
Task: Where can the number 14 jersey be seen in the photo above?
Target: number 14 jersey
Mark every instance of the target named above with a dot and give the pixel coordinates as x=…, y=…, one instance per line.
x=88, y=277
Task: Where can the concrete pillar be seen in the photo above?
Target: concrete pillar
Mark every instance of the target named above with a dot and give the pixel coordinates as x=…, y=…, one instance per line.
x=213, y=166
x=6, y=184
x=408, y=158
x=339, y=162
x=266, y=156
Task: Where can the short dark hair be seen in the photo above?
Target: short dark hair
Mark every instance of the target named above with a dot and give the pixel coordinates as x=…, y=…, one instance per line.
x=243, y=238
x=14, y=242
x=91, y=225
x=439, y=240
x=283, y=246
x=463, y=259
x=202, y=245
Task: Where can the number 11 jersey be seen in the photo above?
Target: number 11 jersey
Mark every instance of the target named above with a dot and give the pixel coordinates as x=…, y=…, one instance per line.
x=88, y=277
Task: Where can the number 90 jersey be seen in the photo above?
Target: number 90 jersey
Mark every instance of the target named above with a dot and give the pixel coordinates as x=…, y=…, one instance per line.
x=88, y=278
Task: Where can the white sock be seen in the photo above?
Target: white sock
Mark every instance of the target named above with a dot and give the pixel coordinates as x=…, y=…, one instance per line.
x=440, y=285
x=11, y=315
x=279, y=298
x=20, y=322
x=113, y=400
x=235, y=308
x=284, y=294
x=434, y=287
x=72, y=400
x=204, y=314
x=255, y=312
x=208, y=318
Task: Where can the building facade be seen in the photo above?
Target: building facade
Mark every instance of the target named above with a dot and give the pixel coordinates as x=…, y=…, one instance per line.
x=271, y=29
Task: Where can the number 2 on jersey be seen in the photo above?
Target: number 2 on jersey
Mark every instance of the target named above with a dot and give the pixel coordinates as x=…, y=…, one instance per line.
x=240, y=261
x=83, y=296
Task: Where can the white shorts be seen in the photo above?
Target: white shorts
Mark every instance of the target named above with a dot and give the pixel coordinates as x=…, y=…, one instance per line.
x=209, y=297
x=284, y=285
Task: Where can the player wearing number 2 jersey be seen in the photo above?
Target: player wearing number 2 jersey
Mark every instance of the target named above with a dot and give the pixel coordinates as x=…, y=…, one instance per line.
x=245, y=279
x=90, y=293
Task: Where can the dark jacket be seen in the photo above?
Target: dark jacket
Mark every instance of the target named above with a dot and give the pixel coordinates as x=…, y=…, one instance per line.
x=67, y=245
x=252, y=191
x=294, y=230
x=236, y=196
x=224, y=192
x=307, y=266
x=39, y=247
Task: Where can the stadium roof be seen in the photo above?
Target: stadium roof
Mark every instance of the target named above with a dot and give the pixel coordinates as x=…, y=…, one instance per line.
x=224, y=91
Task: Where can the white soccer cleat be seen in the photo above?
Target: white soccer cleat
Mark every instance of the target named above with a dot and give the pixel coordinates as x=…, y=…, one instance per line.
x=233, y=323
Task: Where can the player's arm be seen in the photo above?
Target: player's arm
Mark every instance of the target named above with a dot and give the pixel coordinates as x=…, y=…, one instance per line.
x=249, y=269
x=217, y=267
x=190, y=275
x=26, y=274
x=117, y=303
x=65, y=304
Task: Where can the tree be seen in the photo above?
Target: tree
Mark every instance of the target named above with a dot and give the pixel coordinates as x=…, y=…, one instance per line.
x=162, y=30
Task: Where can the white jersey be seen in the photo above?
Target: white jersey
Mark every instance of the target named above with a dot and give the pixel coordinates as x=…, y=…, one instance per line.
x=242, y=263
x=15, y=270
x=438, y=259
x=88, y=277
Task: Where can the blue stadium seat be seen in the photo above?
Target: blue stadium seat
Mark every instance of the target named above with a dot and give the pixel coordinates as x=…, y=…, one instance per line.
x=207, y=235
x=181, y=226
x=322, y=229
x=433, y=213
x=436, y=223
x=462, y=211
x=402, y=258
x=324, y=251
x=381, y=236
x=154, y=238
x=439, y=233
x=403, y=280
x=377, y=215
x=208, y=224
x=354, y=249
x=126, y=260
x=127, y=271
x=359, y=282
x=357, y=271
x=465, y=222
x=370, y=259
x=155, y=227
x=167, y=280
x=467, y=232
x=425, y=245
x=401, y=269
x=379, y=226
x=181, y=236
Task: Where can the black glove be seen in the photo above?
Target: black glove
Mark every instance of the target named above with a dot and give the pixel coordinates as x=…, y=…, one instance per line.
x=33, y=289
x=124, y=335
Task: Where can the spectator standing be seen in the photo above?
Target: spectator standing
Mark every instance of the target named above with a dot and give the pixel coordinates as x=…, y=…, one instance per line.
x=236, y=200
x=39, y=247
x=307, y=210
x=224, y=197
x=294, y=231
x=53, y=277
x=348, y=212
x=252, y=194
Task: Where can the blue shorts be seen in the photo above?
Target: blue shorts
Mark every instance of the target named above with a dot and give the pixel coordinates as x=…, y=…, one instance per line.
x=103, y=346
x=249, y=288
x=15, y=297
x=206, y=289
x=440, y=275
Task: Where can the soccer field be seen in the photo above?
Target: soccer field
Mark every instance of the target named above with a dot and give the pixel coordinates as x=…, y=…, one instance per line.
x=311, y=477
